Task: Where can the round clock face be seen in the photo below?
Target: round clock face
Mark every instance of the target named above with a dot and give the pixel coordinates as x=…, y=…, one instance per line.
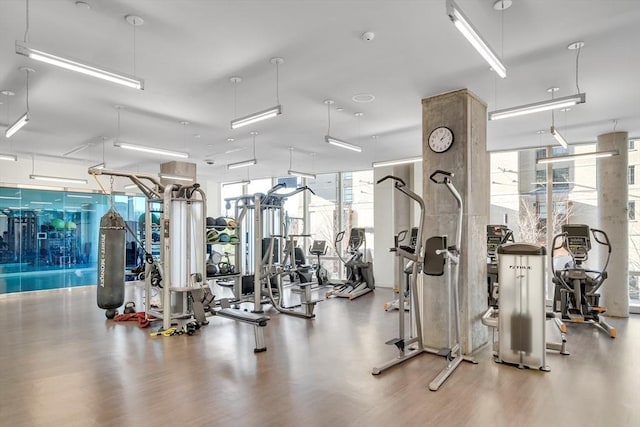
x=440, y=139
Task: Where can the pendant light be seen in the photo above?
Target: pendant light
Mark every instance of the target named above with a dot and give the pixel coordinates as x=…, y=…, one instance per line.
x=335, y=141
x=24, y=119
x=264, y=114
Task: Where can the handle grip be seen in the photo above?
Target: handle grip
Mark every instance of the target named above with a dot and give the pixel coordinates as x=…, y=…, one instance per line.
x=447, y=176
x=395, y=178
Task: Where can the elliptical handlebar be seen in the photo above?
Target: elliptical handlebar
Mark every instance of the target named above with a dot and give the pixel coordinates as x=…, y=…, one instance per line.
x=395, y=178
x=601, y=233
x=554, y=247
x=446, y=176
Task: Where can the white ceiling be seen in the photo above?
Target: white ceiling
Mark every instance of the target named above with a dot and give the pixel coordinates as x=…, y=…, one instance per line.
x=186, y=51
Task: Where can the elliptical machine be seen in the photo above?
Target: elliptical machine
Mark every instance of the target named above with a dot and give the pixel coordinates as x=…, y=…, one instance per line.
x=576, y=294
x=359, y=271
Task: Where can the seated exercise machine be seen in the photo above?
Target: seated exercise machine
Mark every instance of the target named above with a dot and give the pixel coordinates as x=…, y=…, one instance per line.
x=519, y=314
x=576, y=295
x=436, y=255
x=407, y=268
x=360, y=279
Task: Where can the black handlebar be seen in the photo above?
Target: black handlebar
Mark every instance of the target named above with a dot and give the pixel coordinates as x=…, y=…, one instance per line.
x=601, y=233
x=395, y=178
x=447, y=176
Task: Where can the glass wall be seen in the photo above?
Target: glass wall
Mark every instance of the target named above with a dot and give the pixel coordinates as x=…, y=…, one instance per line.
x=519, y=200
x=324, y=222
x=48, y=239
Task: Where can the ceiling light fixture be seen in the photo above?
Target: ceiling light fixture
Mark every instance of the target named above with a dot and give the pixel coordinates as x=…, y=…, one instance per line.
x=24, y=119
x=73, y=65
x=335, y=141
x=57, y=179
x=244, y=181
x=9, y=157
x=396, y=162
x=471, y=34
x=246, y=163
x=559, y=137
x=580, y=156
x=553, y=103
x=98, y=166
x=536, y=107
x=298, y=173
x=554, y=132
x=342, y=144
x=175, y=177
x=152, y=150
x=23, y=48
x=77, y=149
x=264, y=114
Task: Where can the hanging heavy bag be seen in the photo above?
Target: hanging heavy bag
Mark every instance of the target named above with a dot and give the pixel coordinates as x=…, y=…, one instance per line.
x=111, y=262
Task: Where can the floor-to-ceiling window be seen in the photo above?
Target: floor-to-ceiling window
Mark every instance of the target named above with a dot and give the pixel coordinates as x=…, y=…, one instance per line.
x=519, y=200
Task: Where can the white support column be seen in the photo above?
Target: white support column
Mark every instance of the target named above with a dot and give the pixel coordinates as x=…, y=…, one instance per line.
x=613, y=220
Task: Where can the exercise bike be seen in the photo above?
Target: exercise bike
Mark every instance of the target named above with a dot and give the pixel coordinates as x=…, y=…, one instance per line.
x=576, y=295
x=359, y=271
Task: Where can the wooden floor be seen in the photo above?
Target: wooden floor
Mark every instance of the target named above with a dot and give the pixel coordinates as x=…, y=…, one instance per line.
x=63, y=364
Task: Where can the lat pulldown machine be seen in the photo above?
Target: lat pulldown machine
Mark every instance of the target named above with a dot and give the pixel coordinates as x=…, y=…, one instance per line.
x=436, y=255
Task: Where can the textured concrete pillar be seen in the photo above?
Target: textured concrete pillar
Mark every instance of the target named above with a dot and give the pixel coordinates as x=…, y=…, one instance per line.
x=466, y=115
x=613, y=219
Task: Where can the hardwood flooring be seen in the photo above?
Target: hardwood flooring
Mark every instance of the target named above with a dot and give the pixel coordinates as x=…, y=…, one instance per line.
x=62, y=363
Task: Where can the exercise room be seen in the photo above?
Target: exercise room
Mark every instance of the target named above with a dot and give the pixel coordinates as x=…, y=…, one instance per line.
x=319, y=213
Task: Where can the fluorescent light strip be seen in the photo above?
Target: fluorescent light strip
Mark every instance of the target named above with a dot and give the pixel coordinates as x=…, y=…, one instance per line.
x=151, y=150
x=471, y=34
x=10, y=197
x=79, y=196
x=58, y=179
x=342, y=144
x=15, y=127
x=242, y=164
x=76, y=149
x=256, y=117
x=131, y=186
x=98, y=166
x=175, y=177
x=244, y=181
x=580, y=156
x=536, y=107
x=69, y=64
x=9, y=157
x=396, y=162
x=559, y=137
x=41, y=203
x=301, y=174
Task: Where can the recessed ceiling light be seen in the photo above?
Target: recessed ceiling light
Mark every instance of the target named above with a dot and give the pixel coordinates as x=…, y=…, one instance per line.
x=340, y=109
x=540, y=132
x=553, y=89
x=83, y=5
x=8, y=93
x=134, y=20
x=363, y=97
x=502, y=4
x=575, y=45
x=358, y=114
x=230, y=139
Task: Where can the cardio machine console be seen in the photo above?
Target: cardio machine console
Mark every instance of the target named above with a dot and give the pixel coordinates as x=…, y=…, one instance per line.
x=319, y=247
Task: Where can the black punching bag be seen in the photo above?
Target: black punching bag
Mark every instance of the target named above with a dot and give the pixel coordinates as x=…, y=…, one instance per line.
x=111, y=262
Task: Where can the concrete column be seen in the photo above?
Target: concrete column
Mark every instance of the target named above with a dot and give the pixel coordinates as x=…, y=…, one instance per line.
x=466, y=115
x=613, y=219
